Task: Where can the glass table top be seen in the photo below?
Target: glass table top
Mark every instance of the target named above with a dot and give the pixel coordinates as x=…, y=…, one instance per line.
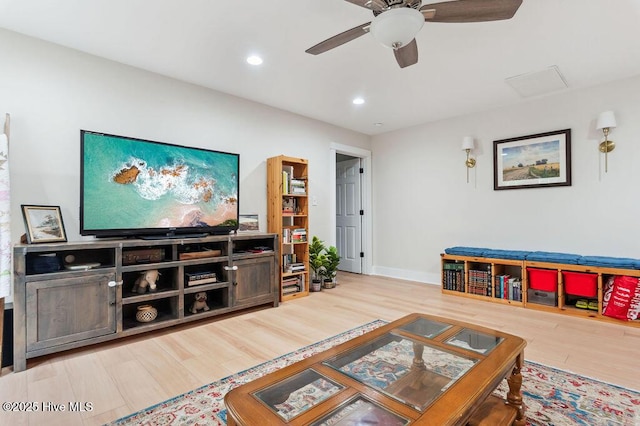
x=361, y=411
x=425, y=327
x=474, y=341
x=298, y=393
x=408, y=370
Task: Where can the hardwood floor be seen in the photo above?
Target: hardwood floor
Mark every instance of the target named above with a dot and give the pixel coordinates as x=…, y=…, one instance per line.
x=121, y=377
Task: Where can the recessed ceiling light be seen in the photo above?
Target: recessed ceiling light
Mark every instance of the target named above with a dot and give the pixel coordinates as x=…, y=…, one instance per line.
x=358, y=101
x=254, y=60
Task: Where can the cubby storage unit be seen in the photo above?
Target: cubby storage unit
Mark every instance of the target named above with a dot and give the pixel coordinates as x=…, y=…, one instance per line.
x=569, y=289
x=68, y=295
x=498, y=280
x=288, y=217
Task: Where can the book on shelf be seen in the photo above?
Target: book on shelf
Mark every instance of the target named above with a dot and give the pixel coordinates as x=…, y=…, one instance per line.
x=197, y=278
x=200, y=275
x=202, y=281
x=292, y=284
x=287, y=260
x=291, y=289
x=295, y=267
x=453, y=276
x=298, y=235
x=297, y=186
x=260, y=249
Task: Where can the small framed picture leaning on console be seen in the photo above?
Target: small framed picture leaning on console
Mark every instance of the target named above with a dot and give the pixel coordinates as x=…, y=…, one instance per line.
x=44, y=224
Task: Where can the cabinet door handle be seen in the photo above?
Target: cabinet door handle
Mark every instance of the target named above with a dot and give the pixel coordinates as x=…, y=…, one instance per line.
x=114, y=283
x=231, y=268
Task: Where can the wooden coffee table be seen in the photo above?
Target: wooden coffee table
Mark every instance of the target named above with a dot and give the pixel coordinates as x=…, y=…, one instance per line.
x=419, y=370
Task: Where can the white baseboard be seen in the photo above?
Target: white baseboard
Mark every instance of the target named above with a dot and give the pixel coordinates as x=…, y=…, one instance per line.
x=403, y=274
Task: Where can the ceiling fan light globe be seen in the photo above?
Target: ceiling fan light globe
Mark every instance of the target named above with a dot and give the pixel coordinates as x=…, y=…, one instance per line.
x=397, y=27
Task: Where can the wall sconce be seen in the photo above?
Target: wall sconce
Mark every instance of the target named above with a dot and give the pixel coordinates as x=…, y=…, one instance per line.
x=606, y=121
x=468, y=145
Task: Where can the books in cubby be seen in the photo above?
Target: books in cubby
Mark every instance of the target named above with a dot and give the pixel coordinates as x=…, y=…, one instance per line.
x=290, y=184
x=480, y=280
x=453, y=276
x=292, y=284
x=297, y=187
x=289, y=205
x=298, y=235
x=508, y=288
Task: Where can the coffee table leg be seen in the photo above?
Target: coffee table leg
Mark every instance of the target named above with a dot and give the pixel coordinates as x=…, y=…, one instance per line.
x=514, y=396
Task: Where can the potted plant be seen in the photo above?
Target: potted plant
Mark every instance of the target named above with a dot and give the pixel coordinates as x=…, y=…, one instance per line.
x=330, y=267
x=316, y=262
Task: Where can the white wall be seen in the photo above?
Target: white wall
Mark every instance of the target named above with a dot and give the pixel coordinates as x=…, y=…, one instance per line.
x=52, y=92
x=424, y=205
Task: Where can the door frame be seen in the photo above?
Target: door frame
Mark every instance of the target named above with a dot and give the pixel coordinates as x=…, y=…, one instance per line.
x=367, y=223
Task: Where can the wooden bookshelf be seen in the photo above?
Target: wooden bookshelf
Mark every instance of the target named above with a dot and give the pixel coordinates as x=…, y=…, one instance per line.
x=288, y=217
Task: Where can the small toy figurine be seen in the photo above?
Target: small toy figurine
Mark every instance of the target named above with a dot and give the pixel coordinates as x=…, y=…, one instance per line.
x=146, y=279
x=199, y=303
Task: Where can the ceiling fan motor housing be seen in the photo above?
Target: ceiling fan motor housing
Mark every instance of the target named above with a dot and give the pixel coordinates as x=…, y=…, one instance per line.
x=392, y=4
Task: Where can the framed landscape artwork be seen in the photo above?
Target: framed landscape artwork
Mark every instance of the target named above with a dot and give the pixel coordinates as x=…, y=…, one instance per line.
x=44, y=224
x=533, y=161
x=248, y=222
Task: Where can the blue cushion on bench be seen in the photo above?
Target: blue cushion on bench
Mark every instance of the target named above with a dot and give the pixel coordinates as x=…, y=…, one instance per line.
x=466, y=251
x=610, y=262
x=506, y=254
x=552, y=257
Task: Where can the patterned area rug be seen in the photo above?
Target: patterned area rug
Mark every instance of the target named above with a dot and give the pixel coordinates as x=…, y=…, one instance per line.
x=553, y=397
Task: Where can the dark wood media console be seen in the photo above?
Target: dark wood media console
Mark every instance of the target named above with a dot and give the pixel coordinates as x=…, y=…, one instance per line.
x=69, y=295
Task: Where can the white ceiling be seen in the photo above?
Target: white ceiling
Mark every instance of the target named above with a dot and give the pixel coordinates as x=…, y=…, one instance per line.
x=462, y=67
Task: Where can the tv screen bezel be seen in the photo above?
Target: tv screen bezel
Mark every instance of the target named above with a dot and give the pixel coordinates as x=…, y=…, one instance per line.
x=157, y=232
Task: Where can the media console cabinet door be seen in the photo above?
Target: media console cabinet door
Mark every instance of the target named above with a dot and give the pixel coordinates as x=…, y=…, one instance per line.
x=254, y=279
x=66, y=310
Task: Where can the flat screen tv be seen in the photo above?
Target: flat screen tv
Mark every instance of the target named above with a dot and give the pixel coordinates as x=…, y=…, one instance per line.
x=147, y=189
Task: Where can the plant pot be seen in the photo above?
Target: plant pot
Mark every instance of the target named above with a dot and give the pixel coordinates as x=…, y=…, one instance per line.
x=329, y=283
x=316, y=285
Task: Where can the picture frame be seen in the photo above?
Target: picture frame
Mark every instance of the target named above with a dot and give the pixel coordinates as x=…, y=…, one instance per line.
x=249, y=222
x=44, y=224
x=533, y=161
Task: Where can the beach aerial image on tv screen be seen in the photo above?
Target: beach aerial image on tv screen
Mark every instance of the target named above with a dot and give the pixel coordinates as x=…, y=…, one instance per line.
x=136, y=185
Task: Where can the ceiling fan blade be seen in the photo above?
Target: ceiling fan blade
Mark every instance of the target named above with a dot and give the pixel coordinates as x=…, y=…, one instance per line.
x=370, y=4
x=407, y=55
x=339, y=40
x=472, y=10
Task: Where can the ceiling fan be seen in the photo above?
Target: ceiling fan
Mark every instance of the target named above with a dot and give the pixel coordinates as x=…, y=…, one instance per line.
x=396, y=22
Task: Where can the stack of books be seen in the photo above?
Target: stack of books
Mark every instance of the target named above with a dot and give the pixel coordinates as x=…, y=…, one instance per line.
x=298, y=235
x=294, y=267
x=297, y=187
x=197, y=278
x=292, y=284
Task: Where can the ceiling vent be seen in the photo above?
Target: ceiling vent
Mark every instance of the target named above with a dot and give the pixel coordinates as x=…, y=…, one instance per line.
x=538, y=82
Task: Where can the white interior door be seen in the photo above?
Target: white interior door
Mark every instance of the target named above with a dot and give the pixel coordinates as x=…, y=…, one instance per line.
x=348, y=217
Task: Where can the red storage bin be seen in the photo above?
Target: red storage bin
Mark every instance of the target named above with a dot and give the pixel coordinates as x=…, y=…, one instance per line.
x=580, y=283
x=543, y=279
